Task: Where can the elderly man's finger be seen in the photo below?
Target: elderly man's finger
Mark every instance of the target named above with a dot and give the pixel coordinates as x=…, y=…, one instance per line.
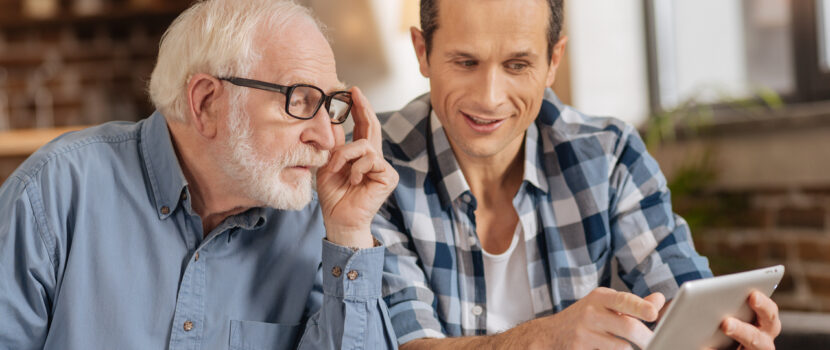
x=750, y=337
x=364, y=166
x=766, y=312
x=366, y=124
x=339, y=135
x=350, y=152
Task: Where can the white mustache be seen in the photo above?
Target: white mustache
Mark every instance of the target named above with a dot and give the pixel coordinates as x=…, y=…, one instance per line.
x=305, y=156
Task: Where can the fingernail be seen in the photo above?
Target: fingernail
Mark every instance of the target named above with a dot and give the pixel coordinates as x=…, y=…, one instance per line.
x=730, y=326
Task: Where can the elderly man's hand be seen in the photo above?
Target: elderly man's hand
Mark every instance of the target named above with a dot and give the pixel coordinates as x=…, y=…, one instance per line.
x=758, y=336
x=356, y=181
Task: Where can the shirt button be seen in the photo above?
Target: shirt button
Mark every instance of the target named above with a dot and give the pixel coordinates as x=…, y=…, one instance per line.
x=196, y=256
x=165, y=210
x=466, y=198
x=352, y=275
x=336, y=271
x=477, y=310
x=188, y=326
x=471, y=240
x=184, y=196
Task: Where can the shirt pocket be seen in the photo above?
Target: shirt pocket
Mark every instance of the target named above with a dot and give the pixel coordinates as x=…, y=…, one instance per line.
x=576, y=282
x=252, y=335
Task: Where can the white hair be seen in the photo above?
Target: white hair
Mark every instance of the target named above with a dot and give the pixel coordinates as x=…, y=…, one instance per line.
x=215, y=37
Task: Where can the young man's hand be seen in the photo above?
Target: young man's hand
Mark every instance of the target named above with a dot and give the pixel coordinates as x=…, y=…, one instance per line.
x=604, y=319
x=758, y=336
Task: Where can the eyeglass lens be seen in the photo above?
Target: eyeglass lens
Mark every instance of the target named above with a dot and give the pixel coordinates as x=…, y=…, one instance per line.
x=305, y=101
x=339, y=107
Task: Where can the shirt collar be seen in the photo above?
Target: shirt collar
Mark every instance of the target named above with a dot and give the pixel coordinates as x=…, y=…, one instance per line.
x=164, y=172
x=534, y=173
x=452, y=184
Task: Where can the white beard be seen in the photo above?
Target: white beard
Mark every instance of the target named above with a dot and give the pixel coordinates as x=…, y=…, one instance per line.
x=261, y=176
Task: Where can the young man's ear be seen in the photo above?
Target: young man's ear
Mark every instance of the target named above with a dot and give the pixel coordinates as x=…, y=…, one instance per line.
x=420, y=46
x=203, y=93
x=556, y=59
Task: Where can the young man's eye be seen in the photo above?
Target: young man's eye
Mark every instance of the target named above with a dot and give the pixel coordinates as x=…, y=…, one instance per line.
x=467, y=63
x=517, y=66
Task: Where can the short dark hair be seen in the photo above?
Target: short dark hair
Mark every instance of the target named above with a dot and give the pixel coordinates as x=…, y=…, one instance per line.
x=429, y=22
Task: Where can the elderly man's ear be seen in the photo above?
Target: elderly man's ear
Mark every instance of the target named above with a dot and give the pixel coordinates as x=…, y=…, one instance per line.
x=204, y=97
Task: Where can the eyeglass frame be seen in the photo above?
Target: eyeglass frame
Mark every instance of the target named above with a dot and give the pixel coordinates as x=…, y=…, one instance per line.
x=287, y=90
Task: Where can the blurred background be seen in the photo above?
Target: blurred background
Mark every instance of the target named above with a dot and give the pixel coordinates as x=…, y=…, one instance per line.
x=732, y=97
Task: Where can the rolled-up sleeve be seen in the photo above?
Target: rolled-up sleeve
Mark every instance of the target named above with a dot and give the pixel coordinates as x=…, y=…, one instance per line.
x=405, y=290
x=27, y=275
x=653, y=245
x=352, y=314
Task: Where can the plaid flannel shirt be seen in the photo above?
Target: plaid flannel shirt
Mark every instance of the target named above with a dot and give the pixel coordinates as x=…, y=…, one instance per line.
x=591, y=194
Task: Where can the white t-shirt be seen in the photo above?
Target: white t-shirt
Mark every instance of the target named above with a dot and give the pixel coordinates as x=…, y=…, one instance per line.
x=509, y=301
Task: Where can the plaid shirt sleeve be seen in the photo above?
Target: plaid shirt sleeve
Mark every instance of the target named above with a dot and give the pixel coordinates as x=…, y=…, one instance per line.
x=653, y=245
x=405, y=288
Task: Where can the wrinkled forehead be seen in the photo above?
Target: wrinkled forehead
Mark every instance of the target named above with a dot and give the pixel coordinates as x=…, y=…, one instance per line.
x=299, y=53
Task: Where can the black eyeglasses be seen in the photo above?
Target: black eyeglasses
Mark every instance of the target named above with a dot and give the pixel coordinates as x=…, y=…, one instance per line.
x=302, y=101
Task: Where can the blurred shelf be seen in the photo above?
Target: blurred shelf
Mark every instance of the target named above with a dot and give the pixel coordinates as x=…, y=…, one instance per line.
x=11, y=21
x=22, y=143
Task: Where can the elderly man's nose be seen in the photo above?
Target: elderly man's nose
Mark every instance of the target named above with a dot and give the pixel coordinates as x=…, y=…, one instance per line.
x=319, y=130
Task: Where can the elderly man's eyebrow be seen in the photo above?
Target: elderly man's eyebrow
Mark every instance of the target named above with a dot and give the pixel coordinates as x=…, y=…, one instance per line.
x=341, y=86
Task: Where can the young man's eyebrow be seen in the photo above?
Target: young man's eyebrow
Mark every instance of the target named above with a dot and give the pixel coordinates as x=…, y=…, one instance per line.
x=459, y=54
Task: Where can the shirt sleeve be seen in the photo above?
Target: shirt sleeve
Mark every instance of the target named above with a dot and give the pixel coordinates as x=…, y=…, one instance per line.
x=352, y=314
x=653, y=245
x=27, y=276
x=405, y=290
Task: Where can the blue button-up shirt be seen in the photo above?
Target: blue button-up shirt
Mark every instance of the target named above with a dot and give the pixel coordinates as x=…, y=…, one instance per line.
x=590, y=195
x=100, y=249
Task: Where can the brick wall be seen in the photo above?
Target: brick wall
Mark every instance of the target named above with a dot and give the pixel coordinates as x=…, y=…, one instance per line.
x=749, y=230
x=757, y=194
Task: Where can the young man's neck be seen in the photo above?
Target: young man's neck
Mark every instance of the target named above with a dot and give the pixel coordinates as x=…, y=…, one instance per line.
x=494, y=178
x=214, y=197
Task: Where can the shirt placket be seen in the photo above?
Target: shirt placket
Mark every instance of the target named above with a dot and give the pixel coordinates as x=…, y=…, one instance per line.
x=474, y=313
x=188, y=327
x=188, y=320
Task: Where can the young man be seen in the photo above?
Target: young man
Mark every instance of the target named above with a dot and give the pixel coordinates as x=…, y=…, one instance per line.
x=512, y=206
x=197, y=228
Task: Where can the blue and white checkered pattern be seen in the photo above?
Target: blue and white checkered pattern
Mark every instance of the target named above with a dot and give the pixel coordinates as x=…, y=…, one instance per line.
x=591, y=194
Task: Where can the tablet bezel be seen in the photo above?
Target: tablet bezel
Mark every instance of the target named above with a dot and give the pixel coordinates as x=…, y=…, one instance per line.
x=693, y=319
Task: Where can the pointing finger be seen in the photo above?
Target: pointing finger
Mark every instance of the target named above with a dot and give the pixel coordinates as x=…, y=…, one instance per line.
x=632, y=305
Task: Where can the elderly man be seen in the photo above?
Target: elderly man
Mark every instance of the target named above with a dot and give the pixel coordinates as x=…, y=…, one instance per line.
x=198, y=228
x=512, y=206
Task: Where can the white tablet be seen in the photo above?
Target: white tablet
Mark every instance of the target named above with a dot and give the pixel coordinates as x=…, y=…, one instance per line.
x=694, y=317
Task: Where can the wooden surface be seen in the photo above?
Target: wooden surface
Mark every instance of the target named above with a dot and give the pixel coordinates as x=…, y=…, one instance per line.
x=22, y=143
